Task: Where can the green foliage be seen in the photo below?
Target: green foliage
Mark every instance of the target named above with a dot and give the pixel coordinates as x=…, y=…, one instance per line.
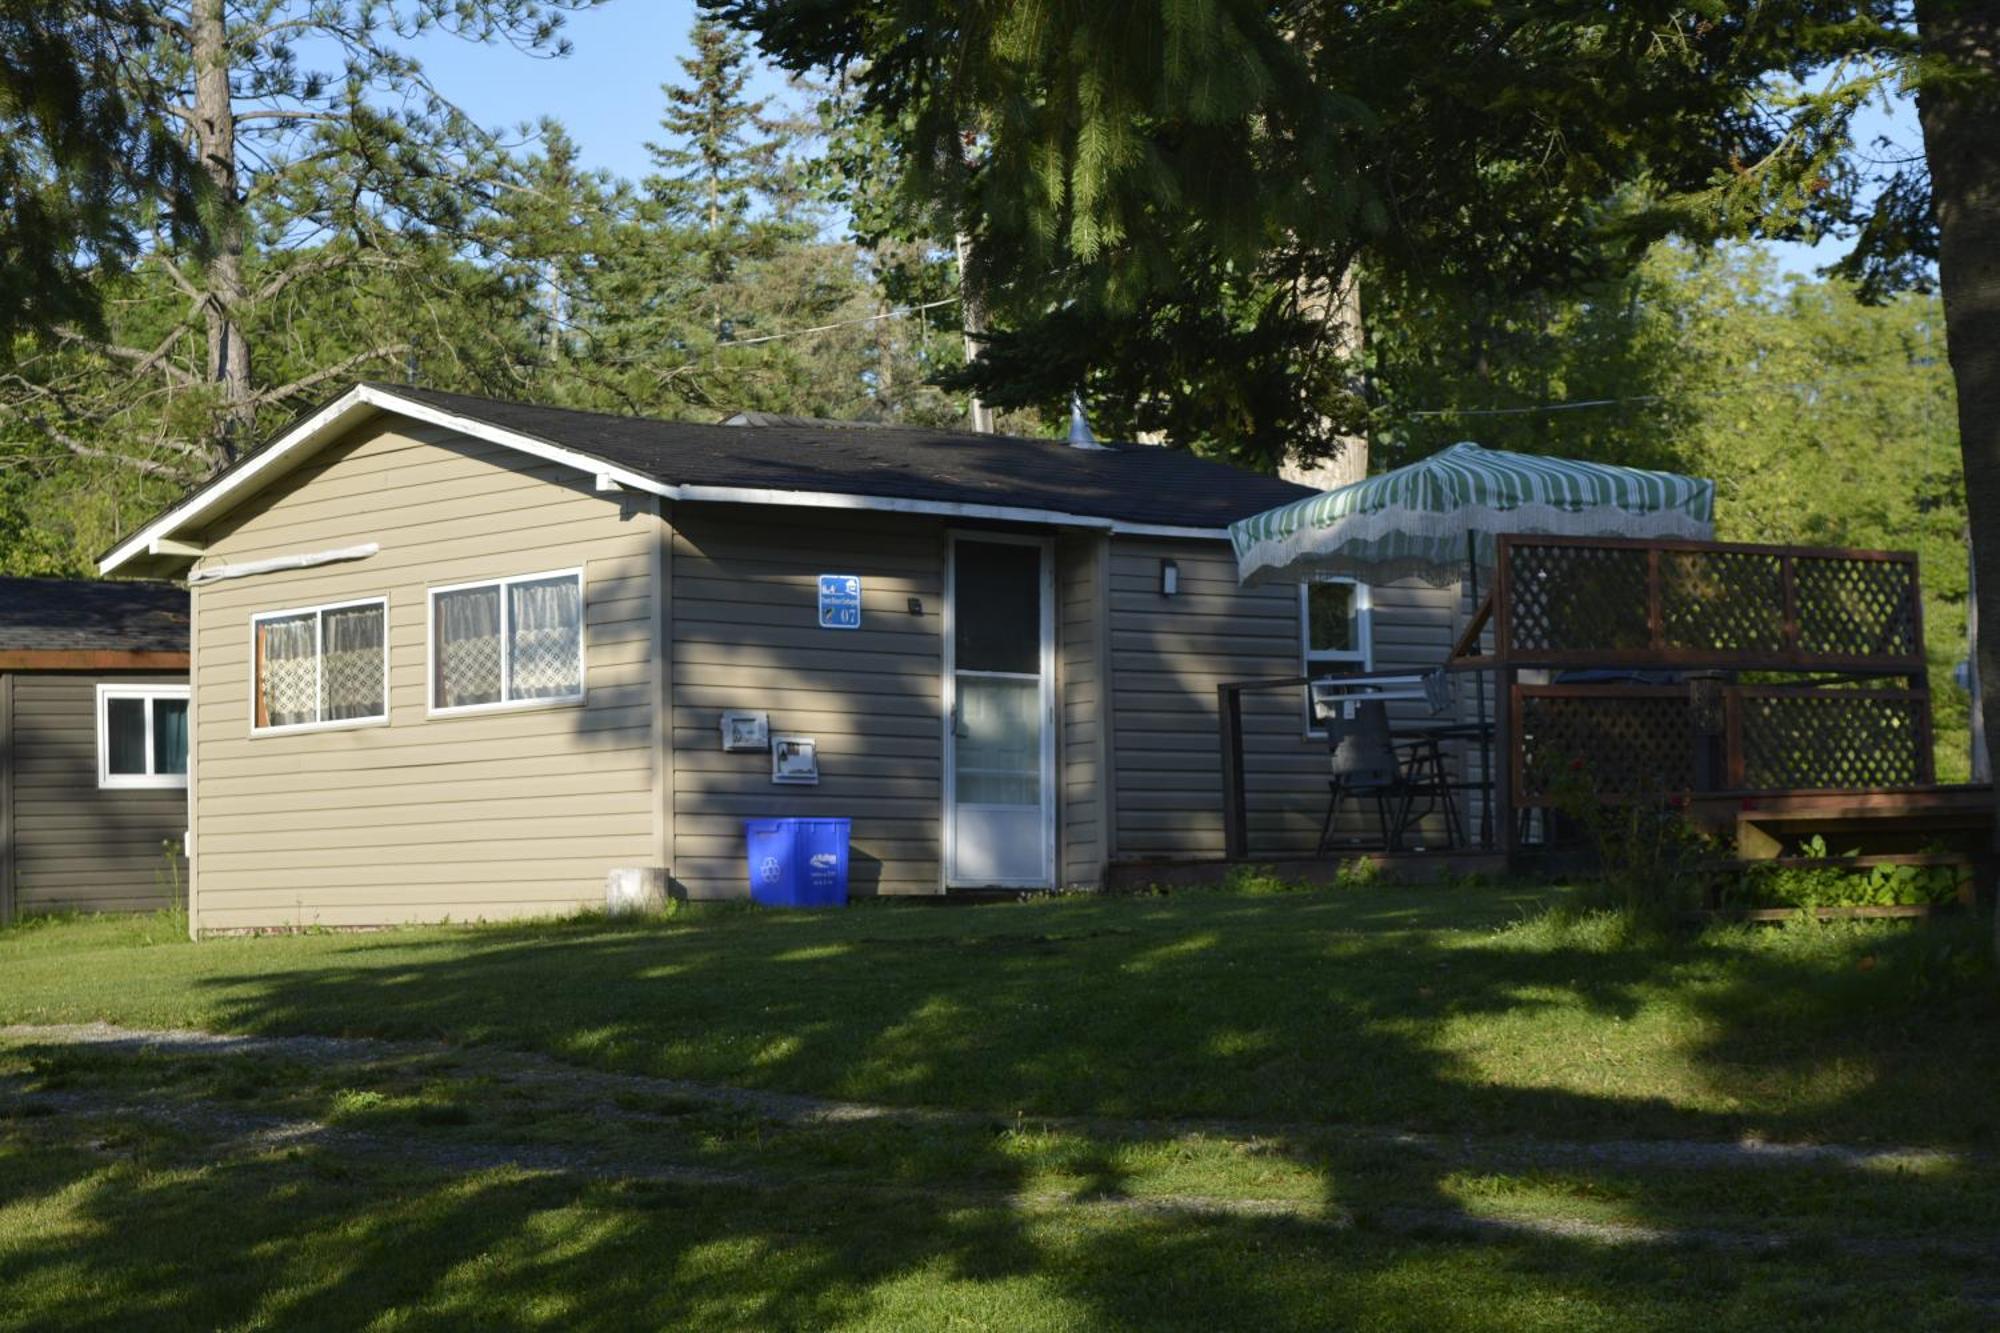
x=1162, y=194
x=1839, y=885
x=1650, y=861
x=1825, y=421
x=88, y=164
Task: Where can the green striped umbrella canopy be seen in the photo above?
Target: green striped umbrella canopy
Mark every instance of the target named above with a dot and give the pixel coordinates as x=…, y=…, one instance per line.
x=1412, y=523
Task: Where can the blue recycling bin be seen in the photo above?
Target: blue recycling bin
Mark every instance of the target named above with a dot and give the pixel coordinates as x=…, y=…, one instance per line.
x=797, y=862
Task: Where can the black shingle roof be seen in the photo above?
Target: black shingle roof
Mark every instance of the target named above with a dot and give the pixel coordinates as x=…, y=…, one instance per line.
x=1125, y=483
x=92, y=615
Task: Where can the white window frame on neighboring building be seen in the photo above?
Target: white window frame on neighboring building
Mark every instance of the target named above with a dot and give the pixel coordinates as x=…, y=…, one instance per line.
x=504, y=703
x=1359, y=658
x=318, y=613
x=149, y=779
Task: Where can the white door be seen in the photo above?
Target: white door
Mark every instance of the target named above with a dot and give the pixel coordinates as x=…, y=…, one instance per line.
x=1000, y=706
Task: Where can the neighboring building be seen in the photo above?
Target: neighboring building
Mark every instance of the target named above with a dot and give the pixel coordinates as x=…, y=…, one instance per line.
x=93, y=745
x=457, y=658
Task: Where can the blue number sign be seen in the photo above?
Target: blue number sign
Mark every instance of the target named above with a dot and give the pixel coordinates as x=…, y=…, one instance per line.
x=839, y=601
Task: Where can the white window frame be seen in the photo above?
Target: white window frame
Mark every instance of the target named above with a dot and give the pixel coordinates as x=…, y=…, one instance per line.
x=106, y=692
x=504, y=704
x=318, y=613
x=1361, y=658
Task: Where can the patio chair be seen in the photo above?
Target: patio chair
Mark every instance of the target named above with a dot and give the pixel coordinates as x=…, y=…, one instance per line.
x=1368, y=763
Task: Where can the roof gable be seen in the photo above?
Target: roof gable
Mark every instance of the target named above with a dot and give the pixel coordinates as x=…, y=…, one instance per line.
x=885, y=468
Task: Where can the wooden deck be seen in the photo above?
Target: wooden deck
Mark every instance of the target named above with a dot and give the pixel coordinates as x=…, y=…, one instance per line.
x=1892, y=826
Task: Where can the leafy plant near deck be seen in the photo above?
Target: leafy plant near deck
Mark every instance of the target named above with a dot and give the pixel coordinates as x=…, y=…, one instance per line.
x=1837, y=885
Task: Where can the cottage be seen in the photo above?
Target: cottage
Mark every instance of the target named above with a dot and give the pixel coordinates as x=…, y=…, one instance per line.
x=459, y=658
x=93, y=745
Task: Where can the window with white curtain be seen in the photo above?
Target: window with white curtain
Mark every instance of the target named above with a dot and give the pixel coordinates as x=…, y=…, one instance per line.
x=507, y=642
x=321, y=666
x=142, y=735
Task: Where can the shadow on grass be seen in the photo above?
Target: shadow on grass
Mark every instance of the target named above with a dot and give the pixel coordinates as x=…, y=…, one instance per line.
x=1322, y=1009
x=310, y=1241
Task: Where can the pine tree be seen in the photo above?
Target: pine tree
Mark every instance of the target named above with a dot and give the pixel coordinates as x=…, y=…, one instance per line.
x=312, y=184
x=87, y=165
x=720, y=171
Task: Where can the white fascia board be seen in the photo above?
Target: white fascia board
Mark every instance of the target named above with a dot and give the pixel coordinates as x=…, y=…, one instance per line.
x=340, y=413
x=602, y=471
x=884, y=504
x=331, y=417
x=1168, y=530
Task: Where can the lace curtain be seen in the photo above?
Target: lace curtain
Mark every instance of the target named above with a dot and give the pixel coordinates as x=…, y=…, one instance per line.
x=468, y=647
x=542, y=645
x=321, y=666
x=287, y=672
x=351, y=684
x=547, y=618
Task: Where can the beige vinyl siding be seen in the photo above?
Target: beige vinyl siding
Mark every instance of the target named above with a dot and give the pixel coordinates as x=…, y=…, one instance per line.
x=1169, y=654
x=478, y=815
x=746, y=635
x=1080, y=647
x=79, y=847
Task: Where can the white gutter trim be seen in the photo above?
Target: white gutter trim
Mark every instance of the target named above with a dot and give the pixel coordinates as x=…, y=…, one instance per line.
x=884, y=504
x=600, y=470
x=277, y=562
x=1166, y=530
x=363, y=396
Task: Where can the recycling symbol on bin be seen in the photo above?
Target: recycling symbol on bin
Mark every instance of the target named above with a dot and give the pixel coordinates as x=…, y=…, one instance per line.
x=769, y=869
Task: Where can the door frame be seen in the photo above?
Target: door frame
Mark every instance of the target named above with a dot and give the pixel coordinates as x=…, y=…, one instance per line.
x=949, y=840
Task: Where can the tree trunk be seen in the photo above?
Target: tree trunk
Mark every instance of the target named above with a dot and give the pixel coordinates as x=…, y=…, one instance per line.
x=215, y=132
x=1962, y=144
x=1339, y=308
x=972, y=306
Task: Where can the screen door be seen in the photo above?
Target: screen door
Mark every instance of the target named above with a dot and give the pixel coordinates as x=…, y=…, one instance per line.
x=999, y=804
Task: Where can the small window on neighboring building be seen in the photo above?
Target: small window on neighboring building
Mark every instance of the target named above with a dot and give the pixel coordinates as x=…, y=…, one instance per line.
x=1334, y=629
x=142, y=735
x=321, y=666
x=507, y=643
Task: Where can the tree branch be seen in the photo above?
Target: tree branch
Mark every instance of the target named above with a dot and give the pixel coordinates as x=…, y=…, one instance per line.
x=332, y=372
x=82, y=450
x=285, y=113
x=307, y=269
x=143, y=361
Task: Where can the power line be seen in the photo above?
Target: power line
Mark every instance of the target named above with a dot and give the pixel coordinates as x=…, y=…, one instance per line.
x=1582, y=403
x=1524, y=411
x=842, y=324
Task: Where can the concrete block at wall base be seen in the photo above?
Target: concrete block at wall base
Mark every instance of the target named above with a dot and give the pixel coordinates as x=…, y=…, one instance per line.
x=636, y=890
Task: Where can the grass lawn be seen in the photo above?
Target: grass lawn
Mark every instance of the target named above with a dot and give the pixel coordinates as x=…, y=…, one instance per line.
x=1466, y=1015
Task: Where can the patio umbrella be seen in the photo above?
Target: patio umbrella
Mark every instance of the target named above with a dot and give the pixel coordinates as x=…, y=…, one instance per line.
x=1421, y=521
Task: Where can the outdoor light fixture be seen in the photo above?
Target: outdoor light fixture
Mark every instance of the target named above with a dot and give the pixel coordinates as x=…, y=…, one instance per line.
x=1170, y=578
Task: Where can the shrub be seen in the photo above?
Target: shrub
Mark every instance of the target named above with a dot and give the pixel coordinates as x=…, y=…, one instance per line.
x=1650, y=861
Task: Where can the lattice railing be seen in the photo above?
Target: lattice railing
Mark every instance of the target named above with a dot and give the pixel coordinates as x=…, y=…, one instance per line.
x=1570, y=601
x=1645, y=742
x=1623, y=741
x=1839, y=739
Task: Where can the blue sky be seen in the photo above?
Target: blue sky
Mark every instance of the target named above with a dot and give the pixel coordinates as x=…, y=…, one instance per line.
x=607, y=91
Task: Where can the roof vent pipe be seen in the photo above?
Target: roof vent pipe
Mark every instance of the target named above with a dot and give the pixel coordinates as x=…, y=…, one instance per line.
x=1079, y=428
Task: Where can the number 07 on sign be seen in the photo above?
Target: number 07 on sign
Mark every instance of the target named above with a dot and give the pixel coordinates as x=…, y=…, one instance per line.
x=840, y=601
